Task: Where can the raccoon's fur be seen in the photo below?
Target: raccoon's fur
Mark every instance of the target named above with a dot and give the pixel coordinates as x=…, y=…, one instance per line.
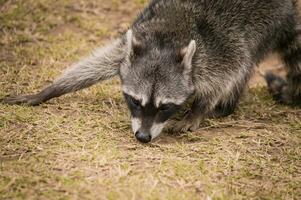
x=204, y=50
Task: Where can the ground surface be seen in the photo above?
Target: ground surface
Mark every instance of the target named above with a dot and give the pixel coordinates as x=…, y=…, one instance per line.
x=81, y=147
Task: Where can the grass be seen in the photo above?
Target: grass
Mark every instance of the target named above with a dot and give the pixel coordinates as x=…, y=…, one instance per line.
x=80, y=146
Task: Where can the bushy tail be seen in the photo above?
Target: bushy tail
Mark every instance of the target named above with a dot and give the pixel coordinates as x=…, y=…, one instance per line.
x=103, y=64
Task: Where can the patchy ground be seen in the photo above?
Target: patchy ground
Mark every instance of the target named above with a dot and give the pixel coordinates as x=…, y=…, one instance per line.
x=80, y=146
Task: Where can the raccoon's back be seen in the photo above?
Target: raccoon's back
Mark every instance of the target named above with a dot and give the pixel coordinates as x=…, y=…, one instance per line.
x=168, y=20
x=178, y=21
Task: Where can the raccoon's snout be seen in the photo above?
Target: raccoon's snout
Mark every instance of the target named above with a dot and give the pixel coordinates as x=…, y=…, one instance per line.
x=143, y=137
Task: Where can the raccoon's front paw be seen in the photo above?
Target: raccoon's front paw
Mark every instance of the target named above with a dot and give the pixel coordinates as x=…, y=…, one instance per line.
x=30, y=100
x=173, y=127
x=187, y=124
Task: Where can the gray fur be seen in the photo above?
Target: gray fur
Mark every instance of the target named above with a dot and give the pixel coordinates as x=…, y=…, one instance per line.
x=181, y=49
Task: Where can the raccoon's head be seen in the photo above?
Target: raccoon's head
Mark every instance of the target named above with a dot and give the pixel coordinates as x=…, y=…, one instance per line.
x=156, y=83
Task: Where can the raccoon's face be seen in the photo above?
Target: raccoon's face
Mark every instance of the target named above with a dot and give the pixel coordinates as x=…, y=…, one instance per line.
x=155, y=85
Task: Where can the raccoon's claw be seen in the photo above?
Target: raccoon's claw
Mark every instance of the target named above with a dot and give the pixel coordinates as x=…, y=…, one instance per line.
x=170, y=127
x=187, y=124
x=30, y=100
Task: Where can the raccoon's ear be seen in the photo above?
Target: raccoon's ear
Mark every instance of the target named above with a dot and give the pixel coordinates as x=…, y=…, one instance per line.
x=134, y=47
x=187, y=54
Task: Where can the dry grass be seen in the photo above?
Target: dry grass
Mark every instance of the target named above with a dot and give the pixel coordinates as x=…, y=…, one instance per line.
x=81, y=147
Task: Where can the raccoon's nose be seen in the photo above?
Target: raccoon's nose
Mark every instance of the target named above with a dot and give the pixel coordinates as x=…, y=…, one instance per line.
x=143, y=137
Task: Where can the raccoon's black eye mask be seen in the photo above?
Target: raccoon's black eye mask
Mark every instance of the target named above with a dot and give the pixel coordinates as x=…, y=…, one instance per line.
x=163, y=108
x=170, y=107
x=132, y=102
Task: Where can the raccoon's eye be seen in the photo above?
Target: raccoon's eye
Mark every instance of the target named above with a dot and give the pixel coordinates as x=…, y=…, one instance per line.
x=166, y=107
x=135, y=102
x=132, y=102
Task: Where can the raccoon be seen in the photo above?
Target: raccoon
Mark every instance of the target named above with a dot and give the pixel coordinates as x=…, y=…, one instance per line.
x=201, y=51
